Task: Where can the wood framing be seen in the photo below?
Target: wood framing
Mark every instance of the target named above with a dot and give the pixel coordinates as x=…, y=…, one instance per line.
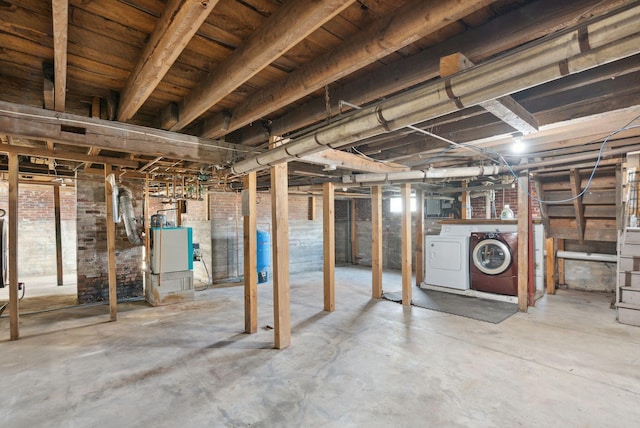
x=58, y=229
x=60, y=9
x=384, y=36
x=66, y=155
x=350, y=161
x=574, y=179
x=419, y=237
x=405, y=191
x=179, y=22
x=523, y=243
x=147, y=225
x=111, y=246
x=354, y=230
x=250, y=232
x=280, y=254
x=329, y=245
x=550, y=264
x=12, y=233
x=376, y=242
x=312, y=208
x=560, y=262
x=30, y=122
x=266, y=44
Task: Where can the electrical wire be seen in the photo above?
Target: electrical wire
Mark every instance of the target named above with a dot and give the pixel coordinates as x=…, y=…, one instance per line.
x=593, y=171
x=208, y=277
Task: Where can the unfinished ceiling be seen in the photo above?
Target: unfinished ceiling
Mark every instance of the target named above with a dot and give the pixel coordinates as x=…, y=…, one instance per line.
x=198, y=89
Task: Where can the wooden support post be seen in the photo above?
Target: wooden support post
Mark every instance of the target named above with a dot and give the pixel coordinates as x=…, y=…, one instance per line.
x=354, y=232
x=58, y=227
x=13, y=246
x=111, y=246
x=147, y=225
x=523, y=243
x=560, y=262
x=250, y=231
x=329, y=240
x=466, y=204
x=312, y=208
x=419, y=237
x=280, y=252
x=405, y=190
x=376, y=242
x=550, y=265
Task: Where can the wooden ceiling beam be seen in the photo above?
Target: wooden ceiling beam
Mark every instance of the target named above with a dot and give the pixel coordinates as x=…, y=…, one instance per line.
x=267, y=44
x=66, y=155
x=384, y=36
x=350, y=161
x=30, y=122
x=179, y=22
x=522, y=25
x=60, y=9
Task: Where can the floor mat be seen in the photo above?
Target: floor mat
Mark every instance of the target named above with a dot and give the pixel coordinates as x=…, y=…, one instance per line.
x=471, y=307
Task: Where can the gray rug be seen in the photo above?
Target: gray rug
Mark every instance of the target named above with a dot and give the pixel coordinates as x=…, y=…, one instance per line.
x=471, y=307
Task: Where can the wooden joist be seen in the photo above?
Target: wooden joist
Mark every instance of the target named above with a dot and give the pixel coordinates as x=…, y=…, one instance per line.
x=179, y=22
x=520, y=26
x=350, y=161
x=60, y=10
x=266, y=45
x=411, y=22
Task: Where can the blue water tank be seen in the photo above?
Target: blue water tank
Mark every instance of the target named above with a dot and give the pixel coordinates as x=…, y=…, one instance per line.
x=263, y=256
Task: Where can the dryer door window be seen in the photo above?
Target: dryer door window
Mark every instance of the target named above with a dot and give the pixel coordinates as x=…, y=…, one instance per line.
x=491, y=256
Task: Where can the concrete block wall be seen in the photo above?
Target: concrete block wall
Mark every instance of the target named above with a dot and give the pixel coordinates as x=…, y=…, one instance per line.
x=305, y=236
x=92, y=258
x=36, y=229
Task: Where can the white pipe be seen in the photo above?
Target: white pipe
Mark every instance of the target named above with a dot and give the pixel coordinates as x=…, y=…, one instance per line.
x=592, y=257
x=611, y=38
x=464, y=172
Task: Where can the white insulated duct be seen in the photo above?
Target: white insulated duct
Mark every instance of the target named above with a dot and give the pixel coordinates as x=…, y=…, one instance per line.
x=602, y=40
x=417, y=175
x=591, y=257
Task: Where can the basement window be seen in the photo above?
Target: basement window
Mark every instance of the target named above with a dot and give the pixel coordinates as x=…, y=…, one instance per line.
x=395, y=205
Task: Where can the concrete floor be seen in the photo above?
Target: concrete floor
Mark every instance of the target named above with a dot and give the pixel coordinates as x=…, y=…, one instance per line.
x=370, y=363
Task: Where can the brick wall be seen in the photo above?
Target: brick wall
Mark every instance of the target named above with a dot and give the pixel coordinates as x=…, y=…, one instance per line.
x=92, y=258
x=36, y=229
x=502, y=197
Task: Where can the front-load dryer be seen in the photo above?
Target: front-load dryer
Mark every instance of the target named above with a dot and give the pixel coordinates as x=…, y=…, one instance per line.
x=493, y=262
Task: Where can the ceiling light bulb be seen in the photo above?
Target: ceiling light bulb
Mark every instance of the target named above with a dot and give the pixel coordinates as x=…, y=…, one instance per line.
x=518, y=145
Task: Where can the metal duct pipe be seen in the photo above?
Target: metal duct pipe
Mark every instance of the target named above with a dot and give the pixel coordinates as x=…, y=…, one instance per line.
x=591, y=257
x=610, y=38
x=472, y=171
x=125, y=202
